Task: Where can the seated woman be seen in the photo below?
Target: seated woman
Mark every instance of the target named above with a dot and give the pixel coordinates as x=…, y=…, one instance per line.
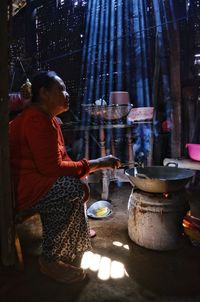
x=46, y=179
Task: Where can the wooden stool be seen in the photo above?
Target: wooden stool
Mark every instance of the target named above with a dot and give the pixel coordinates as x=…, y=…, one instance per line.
x=20, y=217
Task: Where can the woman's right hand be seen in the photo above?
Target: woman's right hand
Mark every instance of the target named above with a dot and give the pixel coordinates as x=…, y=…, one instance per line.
x=105, y=162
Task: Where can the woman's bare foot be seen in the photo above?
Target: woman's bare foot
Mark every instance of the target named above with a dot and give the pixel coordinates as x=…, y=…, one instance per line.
x=61, y=271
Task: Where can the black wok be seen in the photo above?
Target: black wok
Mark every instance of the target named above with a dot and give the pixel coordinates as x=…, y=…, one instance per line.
x=159, y=179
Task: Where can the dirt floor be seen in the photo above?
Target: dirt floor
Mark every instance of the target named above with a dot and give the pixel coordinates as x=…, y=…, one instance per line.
x=146, y=275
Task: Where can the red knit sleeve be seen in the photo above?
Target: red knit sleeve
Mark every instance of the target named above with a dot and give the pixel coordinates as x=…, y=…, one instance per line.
x=42, y=138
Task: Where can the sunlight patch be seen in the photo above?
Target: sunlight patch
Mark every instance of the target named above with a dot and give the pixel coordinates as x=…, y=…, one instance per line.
x=120, y=244
x=105, y=267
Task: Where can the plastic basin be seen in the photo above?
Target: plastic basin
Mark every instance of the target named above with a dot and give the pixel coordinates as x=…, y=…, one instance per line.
x=193, y=151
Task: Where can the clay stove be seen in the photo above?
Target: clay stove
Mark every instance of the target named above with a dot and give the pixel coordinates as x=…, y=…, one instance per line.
x=155, y=219
x=156, y=209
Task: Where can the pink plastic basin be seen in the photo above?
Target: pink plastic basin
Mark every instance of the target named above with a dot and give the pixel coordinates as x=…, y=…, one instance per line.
x=193, y=151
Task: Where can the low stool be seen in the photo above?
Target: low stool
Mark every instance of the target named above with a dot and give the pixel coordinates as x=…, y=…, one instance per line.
x=20, y=217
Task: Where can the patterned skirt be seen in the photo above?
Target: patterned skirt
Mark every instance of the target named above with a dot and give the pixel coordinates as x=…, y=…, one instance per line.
x=64, y=220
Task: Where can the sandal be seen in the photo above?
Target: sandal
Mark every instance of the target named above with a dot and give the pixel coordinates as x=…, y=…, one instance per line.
x=92, y=233
x=61, y=271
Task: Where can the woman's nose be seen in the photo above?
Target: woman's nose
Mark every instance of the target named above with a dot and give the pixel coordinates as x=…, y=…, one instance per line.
x=67, y=95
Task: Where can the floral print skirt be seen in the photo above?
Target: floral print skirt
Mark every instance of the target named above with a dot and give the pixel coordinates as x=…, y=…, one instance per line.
x=64, y=220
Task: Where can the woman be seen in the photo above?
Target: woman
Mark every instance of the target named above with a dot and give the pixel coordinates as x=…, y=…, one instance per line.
x=46, y=179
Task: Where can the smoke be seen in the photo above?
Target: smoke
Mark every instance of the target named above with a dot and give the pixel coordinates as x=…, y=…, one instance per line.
x=142, y=144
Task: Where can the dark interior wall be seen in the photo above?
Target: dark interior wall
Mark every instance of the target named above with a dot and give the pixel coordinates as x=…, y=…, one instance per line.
x=57, y=43
x=6, y=217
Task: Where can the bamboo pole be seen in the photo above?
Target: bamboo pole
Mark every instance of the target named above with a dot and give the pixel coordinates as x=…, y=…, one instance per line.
x=6, y=215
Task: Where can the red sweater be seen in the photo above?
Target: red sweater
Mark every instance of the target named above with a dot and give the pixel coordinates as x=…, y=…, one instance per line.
x=38, y=156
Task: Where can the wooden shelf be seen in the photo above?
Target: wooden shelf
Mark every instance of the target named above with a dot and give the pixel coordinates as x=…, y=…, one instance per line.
x=182, y=163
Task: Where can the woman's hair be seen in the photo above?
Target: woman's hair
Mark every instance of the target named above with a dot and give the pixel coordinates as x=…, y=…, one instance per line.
x=42, y=79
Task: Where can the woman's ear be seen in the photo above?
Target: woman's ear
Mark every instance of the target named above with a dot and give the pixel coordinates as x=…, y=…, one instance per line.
x=44, y=94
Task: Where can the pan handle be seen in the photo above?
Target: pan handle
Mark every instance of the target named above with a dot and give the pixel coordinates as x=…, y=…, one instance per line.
x=174, y=164
x=140, y=175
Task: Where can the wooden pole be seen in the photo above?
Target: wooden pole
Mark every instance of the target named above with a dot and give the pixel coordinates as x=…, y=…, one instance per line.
x=156, y=150
x=6, y=215
x=175, y=91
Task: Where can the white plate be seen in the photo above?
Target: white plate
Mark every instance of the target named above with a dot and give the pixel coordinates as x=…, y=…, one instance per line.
x=91, y=211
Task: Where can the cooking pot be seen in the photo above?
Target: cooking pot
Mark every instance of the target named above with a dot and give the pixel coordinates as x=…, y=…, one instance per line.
x=159, y=179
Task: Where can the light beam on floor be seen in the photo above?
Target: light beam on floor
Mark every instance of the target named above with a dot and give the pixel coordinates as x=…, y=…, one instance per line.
x=105, y=267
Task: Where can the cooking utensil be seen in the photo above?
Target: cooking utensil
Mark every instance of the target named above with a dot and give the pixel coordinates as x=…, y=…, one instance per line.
x=159, y=179
x=193, y=151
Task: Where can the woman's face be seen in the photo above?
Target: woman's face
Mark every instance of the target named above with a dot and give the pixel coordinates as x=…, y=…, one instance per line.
x=58, y=98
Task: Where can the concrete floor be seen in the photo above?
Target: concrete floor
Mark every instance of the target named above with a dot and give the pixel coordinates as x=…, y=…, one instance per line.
x=171, y=276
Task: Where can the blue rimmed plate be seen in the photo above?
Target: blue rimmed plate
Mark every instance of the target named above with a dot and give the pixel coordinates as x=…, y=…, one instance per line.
x=92, y=210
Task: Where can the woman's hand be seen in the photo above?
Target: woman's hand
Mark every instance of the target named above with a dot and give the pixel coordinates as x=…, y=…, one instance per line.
x=105, y=162
x=109, y=162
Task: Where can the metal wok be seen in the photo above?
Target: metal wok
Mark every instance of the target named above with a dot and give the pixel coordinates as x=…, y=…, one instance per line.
x=159, y=179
